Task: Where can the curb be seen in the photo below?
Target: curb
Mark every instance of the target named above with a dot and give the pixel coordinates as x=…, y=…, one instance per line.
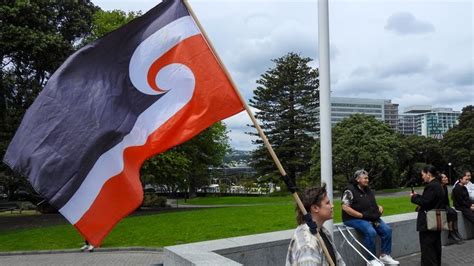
x=64, y=251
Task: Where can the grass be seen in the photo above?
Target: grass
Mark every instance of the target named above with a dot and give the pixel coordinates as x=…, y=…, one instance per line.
x=17, y=213
x=180, y=227
x=260, y=199
x=238, y=200
x=391, y=190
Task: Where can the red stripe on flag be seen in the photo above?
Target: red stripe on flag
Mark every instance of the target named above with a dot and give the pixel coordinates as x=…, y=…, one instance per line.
x=214, y=99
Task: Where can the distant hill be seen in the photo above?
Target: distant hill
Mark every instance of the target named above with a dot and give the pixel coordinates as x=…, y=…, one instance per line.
x=237, y=157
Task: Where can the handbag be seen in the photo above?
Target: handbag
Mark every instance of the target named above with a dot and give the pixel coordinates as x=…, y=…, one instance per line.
x=437, y=220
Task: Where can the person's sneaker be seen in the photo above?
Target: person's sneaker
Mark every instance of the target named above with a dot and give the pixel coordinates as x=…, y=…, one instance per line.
x=90, y=248
x=84, y=247
x=387, y=259
x=457, y=235
x=374, y=263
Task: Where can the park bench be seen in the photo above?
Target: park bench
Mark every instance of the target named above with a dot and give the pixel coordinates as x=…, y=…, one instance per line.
x=10, y=206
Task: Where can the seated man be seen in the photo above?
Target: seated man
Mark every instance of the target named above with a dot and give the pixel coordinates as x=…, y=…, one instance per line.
x=461, y=199
x=360, y=211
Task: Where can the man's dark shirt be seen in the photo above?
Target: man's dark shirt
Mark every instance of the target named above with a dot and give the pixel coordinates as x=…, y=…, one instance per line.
x=461, y=197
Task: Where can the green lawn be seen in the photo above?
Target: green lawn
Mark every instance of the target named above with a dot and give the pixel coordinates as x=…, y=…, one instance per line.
x=179, y=227
x=16, y=213
x=238, y=200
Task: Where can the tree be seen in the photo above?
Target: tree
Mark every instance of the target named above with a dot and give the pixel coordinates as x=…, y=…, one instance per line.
x=204, y=151
x=169, y=169
x=458, y=142
x=419, y=150
x=286, y=101
x=187, y=165
x=362, y=142
x=37, y=36
x=107, y=21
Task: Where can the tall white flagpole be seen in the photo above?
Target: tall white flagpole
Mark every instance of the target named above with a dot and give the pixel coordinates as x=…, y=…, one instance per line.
x=325, y=101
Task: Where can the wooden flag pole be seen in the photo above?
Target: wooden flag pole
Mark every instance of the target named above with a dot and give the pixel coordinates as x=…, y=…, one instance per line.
x=257, y=126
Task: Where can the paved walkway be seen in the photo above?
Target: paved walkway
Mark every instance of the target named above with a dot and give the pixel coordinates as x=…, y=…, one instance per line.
x=73, y=257
x=453, y=255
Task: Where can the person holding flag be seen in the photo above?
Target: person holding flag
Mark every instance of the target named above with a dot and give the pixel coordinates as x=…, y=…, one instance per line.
x=304, y=248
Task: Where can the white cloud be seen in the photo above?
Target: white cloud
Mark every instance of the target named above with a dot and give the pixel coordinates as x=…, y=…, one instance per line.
x=411, y=51
x=363, y=88
x=238, y=125
x=404, y=23
x=408, y=66
x=459, y=75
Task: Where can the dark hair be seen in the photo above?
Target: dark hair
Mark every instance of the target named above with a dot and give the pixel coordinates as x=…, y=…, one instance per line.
x=464, y=174
x=430, y=169
x=440, y=177
x=310, y=197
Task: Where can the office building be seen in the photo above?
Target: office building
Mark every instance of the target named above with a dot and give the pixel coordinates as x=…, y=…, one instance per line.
x=409, y=122
x=380, y=109
x=437, y=122
x=423, y=120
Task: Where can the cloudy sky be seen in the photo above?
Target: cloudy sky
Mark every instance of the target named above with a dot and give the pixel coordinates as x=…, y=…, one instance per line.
x=412, y=52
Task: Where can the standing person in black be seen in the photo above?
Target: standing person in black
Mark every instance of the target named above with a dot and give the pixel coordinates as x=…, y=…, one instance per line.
x=432, y=198
x=461, y=198
x=451, y=213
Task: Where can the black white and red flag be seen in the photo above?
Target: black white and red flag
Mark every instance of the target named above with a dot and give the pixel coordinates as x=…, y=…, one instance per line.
x=138, y=91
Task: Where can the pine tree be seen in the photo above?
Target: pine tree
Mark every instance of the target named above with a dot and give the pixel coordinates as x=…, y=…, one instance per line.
x=286, y=100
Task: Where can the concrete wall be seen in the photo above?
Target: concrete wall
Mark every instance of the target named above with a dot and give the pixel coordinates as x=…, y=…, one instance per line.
x=271, y=248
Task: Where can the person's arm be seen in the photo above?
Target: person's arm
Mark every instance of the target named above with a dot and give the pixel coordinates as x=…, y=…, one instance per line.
x=352, y=212
x=346, y=205
x=380, y=209
x=466, y=202
x=307, y=256
x=458, y=198
x=429, y=195
x=455, y=196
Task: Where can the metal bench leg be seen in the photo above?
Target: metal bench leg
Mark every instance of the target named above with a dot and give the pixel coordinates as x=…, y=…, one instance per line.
x=357, y=241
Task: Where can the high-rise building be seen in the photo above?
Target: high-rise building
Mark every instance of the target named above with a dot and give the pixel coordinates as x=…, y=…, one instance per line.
x=380, y=109
x=391, y=114
x=437, y=122
x=409, y=123
x=423, y=120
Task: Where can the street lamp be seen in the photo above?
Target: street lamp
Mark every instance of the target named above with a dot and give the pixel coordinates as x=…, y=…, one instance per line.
x=185, y=190
x=449, y=172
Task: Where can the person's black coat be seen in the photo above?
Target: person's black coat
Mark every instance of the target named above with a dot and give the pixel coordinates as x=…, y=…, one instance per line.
x=432, y=198
x=461, y=197
x=446, y=196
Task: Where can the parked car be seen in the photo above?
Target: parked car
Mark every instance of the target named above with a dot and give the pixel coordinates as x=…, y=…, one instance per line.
x=3, y=196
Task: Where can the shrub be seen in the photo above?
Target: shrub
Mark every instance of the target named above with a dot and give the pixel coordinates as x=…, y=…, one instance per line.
x=153, y=200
